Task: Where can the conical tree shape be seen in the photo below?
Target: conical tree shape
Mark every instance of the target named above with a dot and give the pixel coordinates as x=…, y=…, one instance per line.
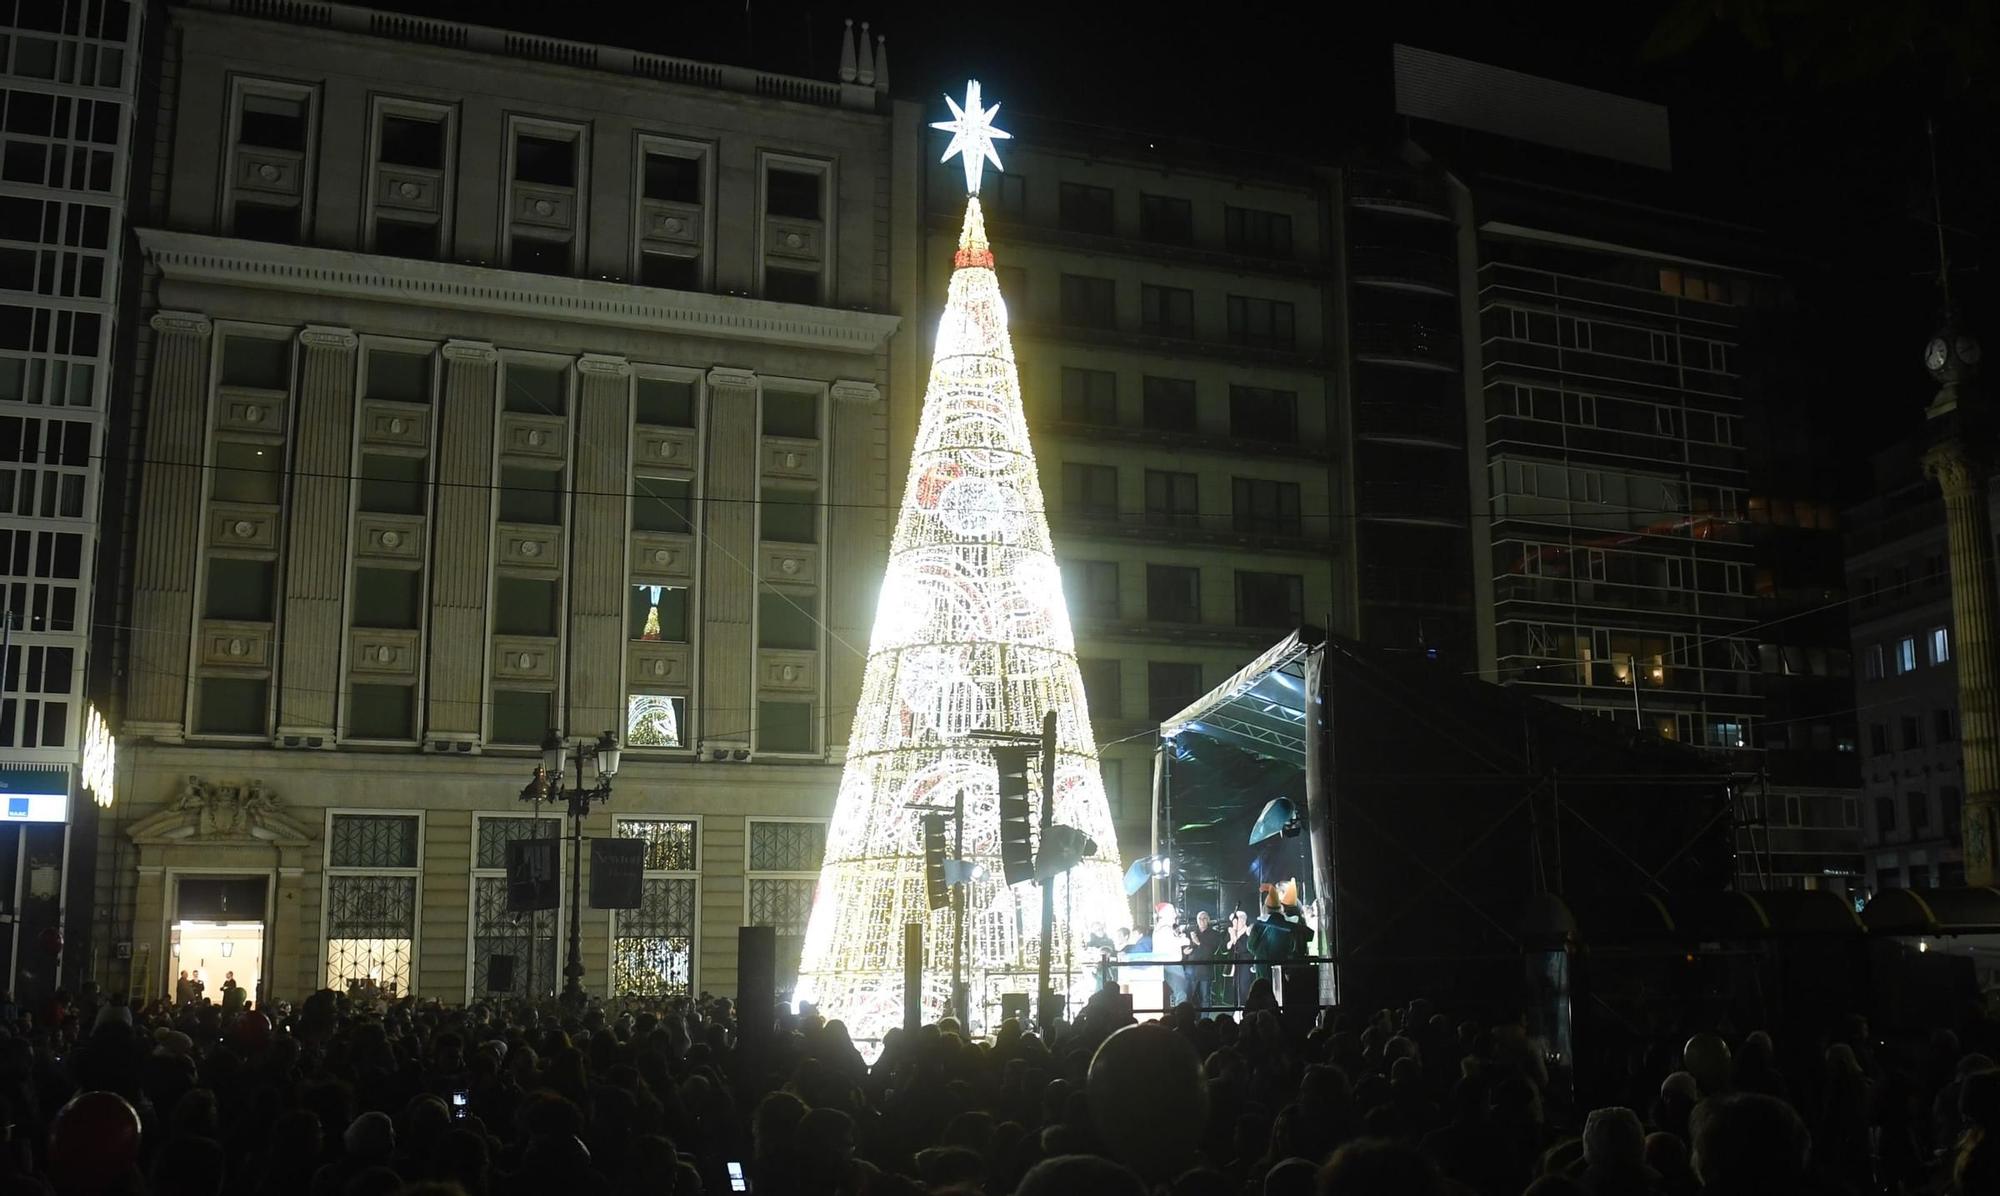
x=971, y=633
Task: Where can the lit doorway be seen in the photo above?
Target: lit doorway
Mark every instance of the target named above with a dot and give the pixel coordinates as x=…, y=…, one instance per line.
x=216, y=956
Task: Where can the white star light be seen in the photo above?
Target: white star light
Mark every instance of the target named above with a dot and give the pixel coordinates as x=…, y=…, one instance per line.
x=972, y=135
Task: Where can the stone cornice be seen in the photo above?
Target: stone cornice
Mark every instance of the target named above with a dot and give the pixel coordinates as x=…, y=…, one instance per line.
x=604, y=364
x=339, y=274
x=185, y=323
x=724, y=377
x=477, y=352
x=320, y=336
x=848, y=391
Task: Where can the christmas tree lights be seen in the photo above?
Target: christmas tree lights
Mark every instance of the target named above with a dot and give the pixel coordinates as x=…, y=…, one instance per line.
x=971, y=633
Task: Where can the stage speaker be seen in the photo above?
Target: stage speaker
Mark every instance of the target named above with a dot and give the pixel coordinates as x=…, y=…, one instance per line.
x=1014, y=1005
x=913, y=976
x=500, y=974
x=934, y=887
x=1017, y=856
x=1298, y=993
x=756, y=983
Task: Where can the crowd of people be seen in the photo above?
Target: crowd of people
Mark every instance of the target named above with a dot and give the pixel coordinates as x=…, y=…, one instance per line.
x=102, y=1096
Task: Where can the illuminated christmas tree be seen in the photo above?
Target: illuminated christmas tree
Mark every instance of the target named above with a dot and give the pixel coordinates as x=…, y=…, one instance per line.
x=971, y=633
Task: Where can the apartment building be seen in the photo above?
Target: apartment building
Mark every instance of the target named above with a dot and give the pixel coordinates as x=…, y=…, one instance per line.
x=66, y=149
x=490, y=384
x=1169, y=318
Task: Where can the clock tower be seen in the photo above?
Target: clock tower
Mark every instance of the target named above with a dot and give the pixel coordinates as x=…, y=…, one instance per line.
x=1960, y=459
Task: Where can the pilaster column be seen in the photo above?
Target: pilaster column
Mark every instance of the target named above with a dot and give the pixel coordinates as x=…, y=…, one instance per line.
x=168, y=528
x=456, y=695
x=316, y=536
x=857, y=540
x=728, y=523
x=597, y=567
x=1962, y=476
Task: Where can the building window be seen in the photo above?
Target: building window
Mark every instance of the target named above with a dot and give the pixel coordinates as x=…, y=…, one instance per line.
x=657, y=614
x=531, y=495
x=246, y=472
x=521, y=716
x=1940, y=645
x=1172, y=499
x=1112, y=774
x=1007, y=193
x=391, y=484
x=372, y=863
x=1878, y=739
x=1100, y=687
x=655, y=721
x=787, y=620
x=385, y=713
x=232, y=706
x=1260, y=323
x=1088, y=302
x=1872, y=662
x=398, y=377
x=410, y=197
x=1949, y=811
x=525, y=605
x=1906, y=655
x=1166, y=219
x=1085, y=209
x=1090, y=491
x=512, y=954
x=671, y=248
x=791, y=413
x=1913, y=732
x=1264, y=507
x=1171, y=687
x=1270, y=599
x=1166, y=311
x=781, y=876
x=1089, y=396
x=1169, y=404
x=785, y=727
x=532, y=389
x=663, y=402
x=546, y=196
x=662, y=505
x=1920, y=812
x=240, y=590
x=388, y=598
x=797, y=259
x=1013, y=282
x=788, y=516
x=1262, y=413
x=1092, y=588
x=1944, y=725
x=1173, y=594
x=1265, y=234
x=268, y=181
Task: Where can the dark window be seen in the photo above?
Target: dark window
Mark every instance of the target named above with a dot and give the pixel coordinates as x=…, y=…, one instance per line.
x=1260, y=323
x=1885, y=815
x=524, y=605
x=1166, y=311
x=665, y=402
x=1100, y=687
x=658, y=613
x=1170, y=688
x=1270, y=599
x=1172, y=499
x=232, y=706
x=1264, y=507
x=1247, y=230
x=791, y=413
x=399, y=377
x=1090, y=489
x=246, y=472
x=787, y=620
x=413, y=141
x=266, y=222
x=1092, y=588
x=1089, y=396
x=1920, y=812
x=391, y=485
x=793, y=193
x=1949, y=812
x=1913, y=732
x=1085, y=209
x=1878, y=739
x=381, y=711
x=257, y=361
x=530, y=495
x=784, y=727
x=1173, y=594
x=1088, y=302
x=1944, y=726
x=538, y=255
x=550, y=161
x=405, y=238
x=1167, y=219
x=388, y=598
x=273, y=122
x=1169, y=404
x=535, y=390
x=241, y=590
x=522, y=715
x=790, y=286
x=672, y=272
x=673, y=178
x=662, y=505
x=1261, y=413
x=790, y=516
x=1008, y=193
x=1013, y=288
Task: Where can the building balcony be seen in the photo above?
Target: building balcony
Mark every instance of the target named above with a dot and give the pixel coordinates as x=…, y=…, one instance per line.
x=1420, y=346
x=1210, y=530
x=1437, y=503
x=1402, y=193
x=1071, y=332
x=1412, y=422
x=1196, y=441
x=1396, y=268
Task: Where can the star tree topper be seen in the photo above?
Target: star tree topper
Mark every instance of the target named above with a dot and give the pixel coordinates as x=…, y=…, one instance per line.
x=972, y=135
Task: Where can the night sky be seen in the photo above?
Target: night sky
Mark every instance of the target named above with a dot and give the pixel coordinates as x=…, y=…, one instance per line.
x=1810, y=127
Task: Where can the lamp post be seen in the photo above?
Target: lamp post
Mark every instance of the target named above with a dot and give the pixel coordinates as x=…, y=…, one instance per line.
x=601, y=757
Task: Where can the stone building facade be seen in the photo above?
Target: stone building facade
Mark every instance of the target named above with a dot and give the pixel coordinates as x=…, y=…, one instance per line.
x=490, y=384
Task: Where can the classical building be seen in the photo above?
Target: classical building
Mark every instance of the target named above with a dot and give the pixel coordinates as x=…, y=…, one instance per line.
x=1169, y=314
x=66, y=149
x=489, y=384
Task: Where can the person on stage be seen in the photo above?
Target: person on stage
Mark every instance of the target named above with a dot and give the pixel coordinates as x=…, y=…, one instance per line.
x=1203, y=943
x=1242, y=969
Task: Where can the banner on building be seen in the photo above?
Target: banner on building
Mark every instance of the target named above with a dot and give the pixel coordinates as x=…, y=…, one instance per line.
x=533, y=875
x=617, y=868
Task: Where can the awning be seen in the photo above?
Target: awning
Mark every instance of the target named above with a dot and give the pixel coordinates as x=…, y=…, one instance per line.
x=1262, y=709
x=1921, y=912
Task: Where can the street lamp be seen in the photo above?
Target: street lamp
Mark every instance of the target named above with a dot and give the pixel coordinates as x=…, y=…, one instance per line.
x=602, y=758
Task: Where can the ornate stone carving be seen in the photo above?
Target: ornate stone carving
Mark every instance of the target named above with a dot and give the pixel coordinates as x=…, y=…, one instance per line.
x=479, y=351
x=1953, y=468
x=846, y=390
x=320, y=336
x=226, y=811
x=600, y=363
x=182, y=323
x=724, y=377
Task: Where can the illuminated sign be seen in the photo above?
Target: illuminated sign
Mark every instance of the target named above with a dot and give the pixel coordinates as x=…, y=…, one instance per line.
x=100, y=757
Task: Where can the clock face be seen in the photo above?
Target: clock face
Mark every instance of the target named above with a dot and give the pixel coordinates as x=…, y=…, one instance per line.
x=1934, y=353
x=1968, y=350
